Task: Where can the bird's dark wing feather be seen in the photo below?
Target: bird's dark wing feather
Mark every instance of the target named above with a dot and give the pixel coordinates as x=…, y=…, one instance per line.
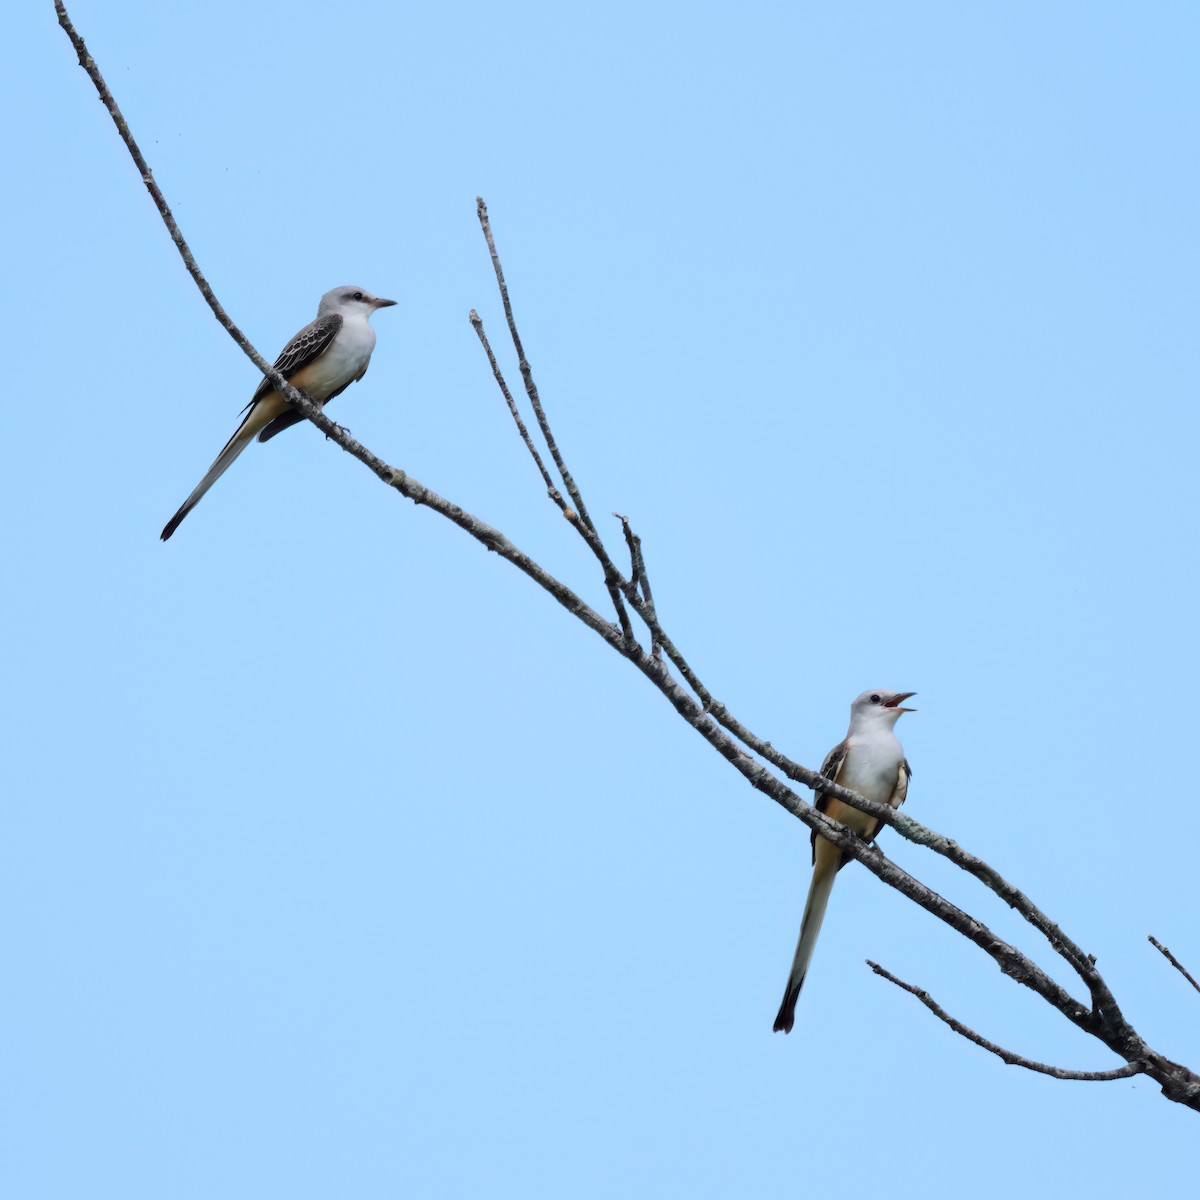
x=311, y=342
x=831, y=768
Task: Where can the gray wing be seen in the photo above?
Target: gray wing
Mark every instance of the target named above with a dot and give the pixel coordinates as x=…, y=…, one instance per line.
x=831, y=768
x=311, y=342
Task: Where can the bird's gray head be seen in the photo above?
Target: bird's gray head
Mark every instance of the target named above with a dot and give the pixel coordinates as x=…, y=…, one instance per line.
x=348, y=300
x=879, y=704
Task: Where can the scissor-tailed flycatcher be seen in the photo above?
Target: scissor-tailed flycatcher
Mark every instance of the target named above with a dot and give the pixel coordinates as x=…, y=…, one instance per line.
x=870, y=762
x=323, y=359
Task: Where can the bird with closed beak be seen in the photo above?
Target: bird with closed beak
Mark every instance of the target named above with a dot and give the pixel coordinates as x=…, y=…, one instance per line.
x=871, y=762
x=322, y=360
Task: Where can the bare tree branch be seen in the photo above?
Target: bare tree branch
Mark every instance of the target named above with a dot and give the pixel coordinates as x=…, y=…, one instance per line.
x=1013, y=1060
x=583, y=521
x=710, y=718
x=551, y=490
x=1174, y=962
x=527, y=373
x=612, y=577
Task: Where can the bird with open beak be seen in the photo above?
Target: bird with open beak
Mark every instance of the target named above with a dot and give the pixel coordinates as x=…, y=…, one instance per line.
x=871, y=762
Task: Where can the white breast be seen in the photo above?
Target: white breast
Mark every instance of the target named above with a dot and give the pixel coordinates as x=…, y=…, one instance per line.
x=345, y=360
x=872, y=766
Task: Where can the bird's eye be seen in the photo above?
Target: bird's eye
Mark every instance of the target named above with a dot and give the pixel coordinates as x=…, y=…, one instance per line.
x=875, y=697
x=358, y=295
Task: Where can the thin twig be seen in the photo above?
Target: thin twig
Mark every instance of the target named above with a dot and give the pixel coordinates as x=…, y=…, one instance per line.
x=579, y=515
x=1013, y=1060
x=502, y=383
x=635, y=571
x=645, y=609
x=622, y=616
x=612, y=579
x=1174, y=962
x=639, y=578
x=527, y=372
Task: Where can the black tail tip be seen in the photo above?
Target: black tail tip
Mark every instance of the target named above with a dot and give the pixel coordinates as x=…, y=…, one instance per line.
x=787, y=1011
x=173, y=524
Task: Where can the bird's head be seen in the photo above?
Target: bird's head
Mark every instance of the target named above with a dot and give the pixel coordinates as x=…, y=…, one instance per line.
x=349, y=300
x=879, y=704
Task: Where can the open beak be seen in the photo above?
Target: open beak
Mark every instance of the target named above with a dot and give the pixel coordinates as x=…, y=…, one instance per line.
x=894, y=702
x=383, y=303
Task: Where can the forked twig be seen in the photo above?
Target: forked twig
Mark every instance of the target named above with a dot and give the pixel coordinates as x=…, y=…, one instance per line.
x=639, y=579
x=578, y=514
x=527, y=372
x=1013, y=1060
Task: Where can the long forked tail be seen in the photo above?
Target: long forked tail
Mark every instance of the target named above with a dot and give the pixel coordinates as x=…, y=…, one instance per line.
x=810, y=926
x=236, y=444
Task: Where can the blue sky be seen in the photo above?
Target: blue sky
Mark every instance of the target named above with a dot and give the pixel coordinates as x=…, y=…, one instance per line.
x=338, y=860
